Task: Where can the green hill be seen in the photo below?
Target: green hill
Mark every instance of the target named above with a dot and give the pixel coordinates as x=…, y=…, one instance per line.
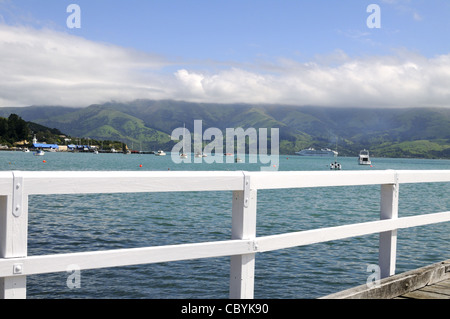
x=408, y=132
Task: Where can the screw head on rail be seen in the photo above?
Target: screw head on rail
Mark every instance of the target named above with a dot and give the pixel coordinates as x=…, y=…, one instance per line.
x=18, y=268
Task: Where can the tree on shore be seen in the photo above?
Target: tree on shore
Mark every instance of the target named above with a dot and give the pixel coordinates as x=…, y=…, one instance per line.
x=13, y=129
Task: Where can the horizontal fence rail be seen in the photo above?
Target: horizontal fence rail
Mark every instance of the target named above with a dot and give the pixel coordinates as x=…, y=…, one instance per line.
x=17, y=186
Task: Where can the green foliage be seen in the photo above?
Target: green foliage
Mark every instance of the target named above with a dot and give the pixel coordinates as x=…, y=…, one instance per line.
x=13, y=129
x=147, y=125
x=417, y=149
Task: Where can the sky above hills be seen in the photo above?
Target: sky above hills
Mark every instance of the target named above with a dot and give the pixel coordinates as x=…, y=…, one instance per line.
x=385, y=53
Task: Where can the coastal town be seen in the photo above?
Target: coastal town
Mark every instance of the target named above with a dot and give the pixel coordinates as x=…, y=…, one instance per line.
x=69, y=146
x=17, y=134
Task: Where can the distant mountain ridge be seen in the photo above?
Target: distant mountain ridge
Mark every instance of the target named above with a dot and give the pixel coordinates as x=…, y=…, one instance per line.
x=147, y=124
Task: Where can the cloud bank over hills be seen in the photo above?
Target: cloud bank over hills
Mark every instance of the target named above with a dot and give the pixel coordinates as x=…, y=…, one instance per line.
x=48, y=67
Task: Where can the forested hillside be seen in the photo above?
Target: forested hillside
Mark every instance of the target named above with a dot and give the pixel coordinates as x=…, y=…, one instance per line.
x=147, y=124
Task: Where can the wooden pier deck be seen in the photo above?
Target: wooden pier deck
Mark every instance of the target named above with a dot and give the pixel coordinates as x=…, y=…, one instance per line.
x=440, y=290
x=430, y=282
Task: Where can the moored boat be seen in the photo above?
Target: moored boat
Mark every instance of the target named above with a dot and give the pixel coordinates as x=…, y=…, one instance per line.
x=364, y=158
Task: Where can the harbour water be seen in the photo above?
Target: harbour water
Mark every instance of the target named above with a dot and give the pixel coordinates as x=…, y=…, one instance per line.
x=74, y=223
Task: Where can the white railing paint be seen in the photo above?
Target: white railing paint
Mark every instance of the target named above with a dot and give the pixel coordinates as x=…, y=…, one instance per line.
x=17, y=186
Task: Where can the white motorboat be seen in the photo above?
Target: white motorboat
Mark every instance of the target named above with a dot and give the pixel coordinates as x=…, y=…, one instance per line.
x=160, y=153
x=364, y=158
x=39, y=153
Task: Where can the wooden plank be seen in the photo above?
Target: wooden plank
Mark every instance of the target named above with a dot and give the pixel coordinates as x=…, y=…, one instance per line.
x=288, y=240
x=301, y=179
x=44, y=182
x=437, y=289
x=6, y=179
x=13, y=287
x=423, y=176
x=125, y=257
x=69, y=182
x=445, y=284
x=242, y=267
x=398, y=285
x=13, y=239
x=388, y=240
x=118, y=182
x=421, y=294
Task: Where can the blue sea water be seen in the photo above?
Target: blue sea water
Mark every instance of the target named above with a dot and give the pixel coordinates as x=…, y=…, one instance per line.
x=75, y=223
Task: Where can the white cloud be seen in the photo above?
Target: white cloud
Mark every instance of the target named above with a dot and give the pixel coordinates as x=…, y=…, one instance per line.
x=398, y=81
x=49, y=67
x=417, y=16
x=40, y=67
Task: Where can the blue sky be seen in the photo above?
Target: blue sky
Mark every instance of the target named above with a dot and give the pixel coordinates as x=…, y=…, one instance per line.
x=298, y=52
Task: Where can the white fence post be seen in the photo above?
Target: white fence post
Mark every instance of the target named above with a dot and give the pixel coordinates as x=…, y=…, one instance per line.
x=15, y=265
x=13, y=239
x=388, y=240
x=242, y=268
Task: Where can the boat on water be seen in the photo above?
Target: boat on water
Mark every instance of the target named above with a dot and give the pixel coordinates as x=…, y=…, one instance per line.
x=184, y=155
x=26, y=150
x=313, y=152
x=39, y=153
x=335, y=166
x=160, y=153
x=198, y=154
x=364, y=158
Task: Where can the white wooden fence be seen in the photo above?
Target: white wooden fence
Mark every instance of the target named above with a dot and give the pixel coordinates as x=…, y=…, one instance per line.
x=17, y=186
